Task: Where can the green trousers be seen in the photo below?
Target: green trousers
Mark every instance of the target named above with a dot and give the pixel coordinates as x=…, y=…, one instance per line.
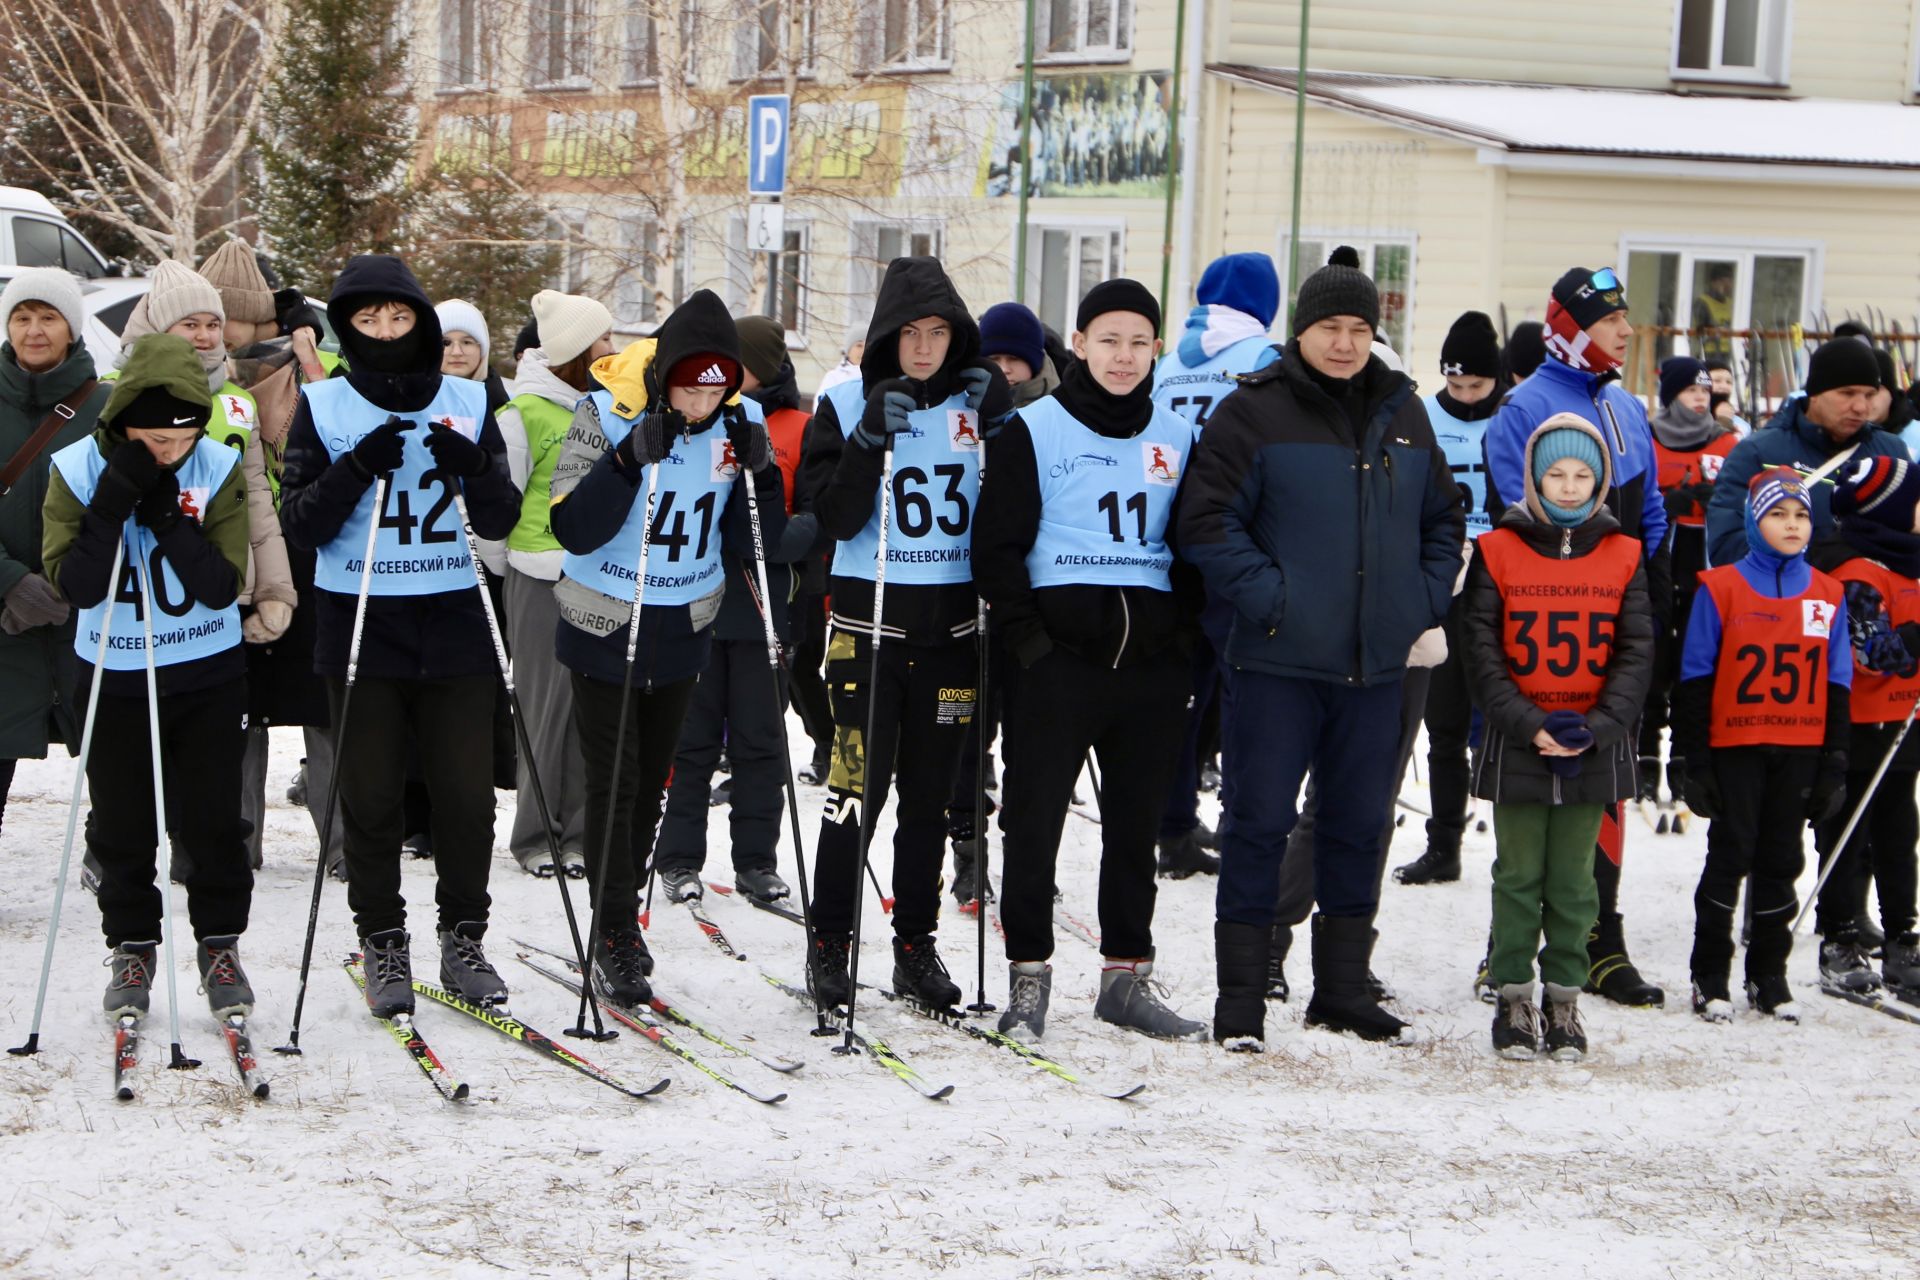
x=1543, y=882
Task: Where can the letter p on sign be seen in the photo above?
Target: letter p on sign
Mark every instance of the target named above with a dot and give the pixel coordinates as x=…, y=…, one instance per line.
x=767, y=116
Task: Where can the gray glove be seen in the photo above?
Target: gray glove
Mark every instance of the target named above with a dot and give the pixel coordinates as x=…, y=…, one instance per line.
x=33, y=603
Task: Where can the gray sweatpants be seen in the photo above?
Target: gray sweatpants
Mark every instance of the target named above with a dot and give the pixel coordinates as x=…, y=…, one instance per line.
x=253, y=788
x=546, y=699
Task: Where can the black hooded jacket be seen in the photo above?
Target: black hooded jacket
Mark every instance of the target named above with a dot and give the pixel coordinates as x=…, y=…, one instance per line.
x=592, y=513
x=839, y=479
x=424, y=637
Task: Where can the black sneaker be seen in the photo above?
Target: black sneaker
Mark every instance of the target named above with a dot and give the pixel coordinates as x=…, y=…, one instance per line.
x=919, y=972
x=762, y=883
x=827, y=974
x=1516, y=1022
x=1566, y=1038
x=1182, y=857
x=620, y=967
x=1435, y=866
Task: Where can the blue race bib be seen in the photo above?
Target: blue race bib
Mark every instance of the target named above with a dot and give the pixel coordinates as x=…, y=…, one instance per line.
x=1463, y=443
x=936, y=482
x=1192, y=391
x=1104, y=503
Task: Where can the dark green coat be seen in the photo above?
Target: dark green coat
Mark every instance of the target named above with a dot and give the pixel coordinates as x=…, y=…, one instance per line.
x=37, y=667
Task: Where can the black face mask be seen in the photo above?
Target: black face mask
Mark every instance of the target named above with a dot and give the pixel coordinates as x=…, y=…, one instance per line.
x=386, y=355
x=1478, y=411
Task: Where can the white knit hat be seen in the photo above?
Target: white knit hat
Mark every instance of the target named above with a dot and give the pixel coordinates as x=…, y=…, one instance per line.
x=52, y=286
x=175, y=292
x=457, y=315
x=568, y=324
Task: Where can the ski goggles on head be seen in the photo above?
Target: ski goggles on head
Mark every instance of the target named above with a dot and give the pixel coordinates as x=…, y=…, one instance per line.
x=1605, y=281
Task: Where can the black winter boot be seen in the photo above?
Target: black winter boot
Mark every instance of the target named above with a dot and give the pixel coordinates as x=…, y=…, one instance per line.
x=1277, y=988
x=1342, y=1001
x=1612, y=975
x=827, y=975
x=1241, y=961
x=1435, y=866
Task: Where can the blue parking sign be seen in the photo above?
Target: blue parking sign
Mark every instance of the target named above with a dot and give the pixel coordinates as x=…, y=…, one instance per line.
x=767, y=116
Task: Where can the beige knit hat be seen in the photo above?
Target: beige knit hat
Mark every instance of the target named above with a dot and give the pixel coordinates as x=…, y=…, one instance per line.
x=176, y=292
x=568, y=324
x=232, y=270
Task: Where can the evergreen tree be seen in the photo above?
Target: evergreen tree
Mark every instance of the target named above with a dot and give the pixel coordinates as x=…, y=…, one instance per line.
x=334, y=140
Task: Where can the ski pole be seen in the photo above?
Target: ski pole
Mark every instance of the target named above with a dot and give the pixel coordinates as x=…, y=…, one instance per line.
x=1859, y=809
x=579, y=1027
x=32, y=1046
x=180, y=1061
x=980, y=842
x=333, y=778
x=776, y=664
x=520, y=732
x=867, y=763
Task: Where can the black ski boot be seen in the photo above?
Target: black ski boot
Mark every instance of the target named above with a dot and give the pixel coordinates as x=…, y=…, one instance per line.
x=761, y=883
x=1243, y=962
x=1182, y=856
x=1516, y=1022
x=1435, y=866
x=130, y=980
x=1900, y=968
x=222, y=979
x=1843, y=963
x=919, y=972
x=1277, y=988
x=1566, y=1038
x=682, y=884
x=1771, y=995
x=1029, y=990
x=1130, y=998
x=1342, y=946
x=1612, y=975
x=464, y=967
x=620, y=967
x=1712, y=1001
x=827, y=975
x=388, y=966
x=969, y=886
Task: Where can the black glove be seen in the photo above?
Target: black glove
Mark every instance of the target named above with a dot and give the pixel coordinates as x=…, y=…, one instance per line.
x=748, y=439
x=159, y=508
x=887, y=408
x=1678, y=500
x=291, y=311
x=1029, y=644
x=130, y=472
x=454, y=454
x=1702, y=791
x=381, y=449
x=1829, y=793
x=650, y=440
x=1702, y=491
x=988, y=392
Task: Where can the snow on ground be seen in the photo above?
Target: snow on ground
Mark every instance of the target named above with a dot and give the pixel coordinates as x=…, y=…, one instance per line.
x=1677, y=1149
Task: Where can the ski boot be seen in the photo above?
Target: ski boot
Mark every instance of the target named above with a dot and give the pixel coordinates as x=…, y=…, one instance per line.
x=682, y=884
x=1128, y=999
x=761, y=883
x=621, y=964
x=1516, y=1022
x=1843, y=963
x=970, y=887
x=814, y=772
x=1182, y=857
x=919, y=972
x=1244, y=963
x=464, y=968
x=1030, y=987
x=1900, y=967
x=1770, y=994
x=1282, y=943
x=1711, y=1000
x=827, y=974
x=1435, y=866
x=1342, y=1000
x=389, y=972
x=130, y=980
x=419, y=845
x=222, y=979
x=1566, y=1038
x=1612, y=975
x=537, y=863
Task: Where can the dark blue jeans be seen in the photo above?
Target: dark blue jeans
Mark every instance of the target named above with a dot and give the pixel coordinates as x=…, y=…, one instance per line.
x=1282, y=728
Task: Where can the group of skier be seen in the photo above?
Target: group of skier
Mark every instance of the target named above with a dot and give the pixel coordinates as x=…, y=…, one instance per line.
x=1087, y=544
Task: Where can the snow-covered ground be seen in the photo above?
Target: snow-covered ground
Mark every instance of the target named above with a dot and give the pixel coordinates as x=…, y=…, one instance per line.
x=1677, y=1149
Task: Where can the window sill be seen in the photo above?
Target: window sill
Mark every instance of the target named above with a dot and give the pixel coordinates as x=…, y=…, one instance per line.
x=912, y=69
x=1738, y=77
x=805, y=75
x=1075, y=58
x=562, y=86
x=462, y=90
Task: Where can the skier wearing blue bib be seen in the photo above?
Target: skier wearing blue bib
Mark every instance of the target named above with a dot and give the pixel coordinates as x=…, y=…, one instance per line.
x=426, y=660
x=925, y=391
x=665, y=421
x=150, y=478
x=1071, y=554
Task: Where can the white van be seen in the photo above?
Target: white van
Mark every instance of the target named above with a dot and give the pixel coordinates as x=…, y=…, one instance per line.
x=33, y=234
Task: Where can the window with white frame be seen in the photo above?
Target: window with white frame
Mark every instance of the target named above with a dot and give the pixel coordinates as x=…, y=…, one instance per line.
x=638, y=285
x=760, y=35
x=1739, y=40
x=560, y=48
x=1387, y=258
x=905, y=35
x=787, y=273
x=567, y=229
x=640, y=51
x=1065, y=261
x=1083, y=30
x=876, y=243
x=1695, y=295
x=461, y=61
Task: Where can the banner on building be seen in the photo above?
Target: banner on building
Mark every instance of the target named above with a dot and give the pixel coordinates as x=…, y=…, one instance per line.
x=1093, y=135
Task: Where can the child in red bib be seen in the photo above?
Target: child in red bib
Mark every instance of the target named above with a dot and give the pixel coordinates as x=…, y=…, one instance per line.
x=1558, y=634
x=1760, y=727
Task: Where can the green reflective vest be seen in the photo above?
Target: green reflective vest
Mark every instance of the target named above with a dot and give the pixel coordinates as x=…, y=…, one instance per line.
x=546, y=424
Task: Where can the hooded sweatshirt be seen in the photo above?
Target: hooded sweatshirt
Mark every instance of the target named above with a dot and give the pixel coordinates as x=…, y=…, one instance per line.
x=839, y=479
x=433, y=636
x=205, y=550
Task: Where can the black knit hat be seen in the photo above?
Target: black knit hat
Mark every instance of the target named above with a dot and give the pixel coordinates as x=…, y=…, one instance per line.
x=1472, y=348
x=1340, y=288
x=1841, y=362
x=1581, y=292
x=763, y=347
x=156, y=407
x=1117, y=295
x=1677, y=373
x=1526, y=349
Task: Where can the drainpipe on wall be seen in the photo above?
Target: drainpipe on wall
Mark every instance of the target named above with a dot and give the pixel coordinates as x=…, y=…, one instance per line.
x=1299, y=155
x=1026, y=164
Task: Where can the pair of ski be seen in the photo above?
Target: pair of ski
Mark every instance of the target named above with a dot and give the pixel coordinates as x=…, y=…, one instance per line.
x=952, y=1019
x=233, y=1029
x=646, y=1020
x=1879, y=1000
x=400, y=1027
